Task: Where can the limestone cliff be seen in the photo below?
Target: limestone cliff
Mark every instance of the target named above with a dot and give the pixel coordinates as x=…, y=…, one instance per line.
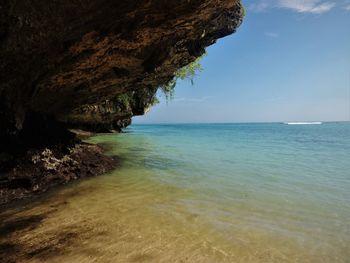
x=90, y=64
x=96, y=63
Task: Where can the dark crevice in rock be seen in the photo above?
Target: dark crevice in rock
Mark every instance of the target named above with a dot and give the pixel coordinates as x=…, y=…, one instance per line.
x=24, y=183
x=120, y=72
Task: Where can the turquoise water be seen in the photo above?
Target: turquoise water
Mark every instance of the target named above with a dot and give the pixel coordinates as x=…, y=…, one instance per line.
x=287, y=184
x=253, y=193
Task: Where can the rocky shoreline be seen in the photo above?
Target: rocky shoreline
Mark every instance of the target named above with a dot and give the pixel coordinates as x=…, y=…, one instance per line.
x=38, y=170
x=90, y=66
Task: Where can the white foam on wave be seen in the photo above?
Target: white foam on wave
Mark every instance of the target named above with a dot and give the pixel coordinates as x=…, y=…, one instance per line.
x=304, y=123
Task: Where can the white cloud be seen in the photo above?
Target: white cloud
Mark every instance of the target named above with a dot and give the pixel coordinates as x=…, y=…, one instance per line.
x=192, y=99
x=300, y=6
x=259, y=6
x=271, y=34
x=347, y=8
x=307, y=6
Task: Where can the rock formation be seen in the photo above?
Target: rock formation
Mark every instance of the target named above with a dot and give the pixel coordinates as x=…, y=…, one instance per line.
x=93, y=64
x=71, y=59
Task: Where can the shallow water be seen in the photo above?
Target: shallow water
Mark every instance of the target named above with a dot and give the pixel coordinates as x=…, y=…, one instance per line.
x=201, y=193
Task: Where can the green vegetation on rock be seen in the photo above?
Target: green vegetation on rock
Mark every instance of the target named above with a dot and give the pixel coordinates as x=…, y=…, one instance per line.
x=124, y=99
x=187, y=72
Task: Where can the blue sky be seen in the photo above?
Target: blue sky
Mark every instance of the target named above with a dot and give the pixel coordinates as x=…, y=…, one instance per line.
x=289, y=61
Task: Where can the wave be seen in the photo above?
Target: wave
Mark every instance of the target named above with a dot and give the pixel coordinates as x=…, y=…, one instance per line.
x=304, y=123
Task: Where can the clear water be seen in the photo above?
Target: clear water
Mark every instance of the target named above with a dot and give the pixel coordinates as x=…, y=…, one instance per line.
x=210, y=193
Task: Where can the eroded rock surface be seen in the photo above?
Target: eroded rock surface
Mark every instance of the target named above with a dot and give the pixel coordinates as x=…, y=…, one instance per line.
x=92, y=65
x=40, y=169
x=71, y=59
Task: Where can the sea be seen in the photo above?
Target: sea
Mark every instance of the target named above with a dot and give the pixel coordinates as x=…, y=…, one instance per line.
x=243, y=192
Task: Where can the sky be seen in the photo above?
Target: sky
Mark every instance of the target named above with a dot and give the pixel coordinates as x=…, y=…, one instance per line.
x=289, y=61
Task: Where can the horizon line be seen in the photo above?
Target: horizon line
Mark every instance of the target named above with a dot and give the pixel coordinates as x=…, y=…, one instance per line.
x=247, y=122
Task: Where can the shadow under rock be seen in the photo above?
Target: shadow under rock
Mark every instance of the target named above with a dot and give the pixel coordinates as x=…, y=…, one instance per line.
x=25, y=223
x=10, y=229
x=14, y=225
x=42, y=244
